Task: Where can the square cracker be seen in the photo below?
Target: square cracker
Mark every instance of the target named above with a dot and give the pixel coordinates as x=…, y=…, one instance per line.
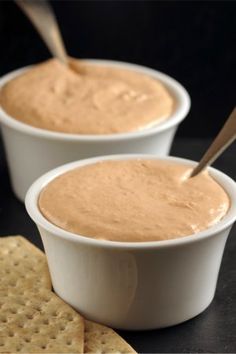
x=22, y=265
x=101, y=339
x=29, y=322
x=39, y=323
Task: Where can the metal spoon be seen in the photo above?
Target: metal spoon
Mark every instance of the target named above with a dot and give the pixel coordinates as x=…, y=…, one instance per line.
x=225, y=137
x=42, y=16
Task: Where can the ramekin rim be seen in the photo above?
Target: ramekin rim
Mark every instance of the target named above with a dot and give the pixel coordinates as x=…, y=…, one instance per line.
x=31, y=203
x=174, y=119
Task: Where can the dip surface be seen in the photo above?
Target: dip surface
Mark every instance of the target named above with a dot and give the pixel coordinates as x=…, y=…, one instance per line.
x=133, y=200
x=90, y=99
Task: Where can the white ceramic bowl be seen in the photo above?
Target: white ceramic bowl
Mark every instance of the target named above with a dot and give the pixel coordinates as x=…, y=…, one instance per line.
x=133, y=285
x=32, y=151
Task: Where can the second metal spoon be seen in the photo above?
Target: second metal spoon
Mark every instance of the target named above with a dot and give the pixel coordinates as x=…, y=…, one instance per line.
x=225, y=137
x=42, y=16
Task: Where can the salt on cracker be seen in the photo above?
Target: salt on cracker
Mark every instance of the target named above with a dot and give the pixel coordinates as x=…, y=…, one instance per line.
x=101, y=339
x=22, y=265
x=39, y=323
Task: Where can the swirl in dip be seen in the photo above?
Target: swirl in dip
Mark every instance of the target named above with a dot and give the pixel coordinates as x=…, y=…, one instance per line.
x=133, y=200
x=86, y=98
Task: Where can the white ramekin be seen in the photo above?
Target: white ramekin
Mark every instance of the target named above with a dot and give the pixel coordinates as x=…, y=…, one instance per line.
x=32, y=151
x=134, y=286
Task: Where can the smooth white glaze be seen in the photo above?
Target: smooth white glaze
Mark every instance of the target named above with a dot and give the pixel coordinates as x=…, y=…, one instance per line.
x=32, y=151
x=133, y=285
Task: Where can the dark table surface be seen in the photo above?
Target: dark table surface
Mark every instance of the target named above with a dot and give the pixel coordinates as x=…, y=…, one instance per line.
x=214, y=331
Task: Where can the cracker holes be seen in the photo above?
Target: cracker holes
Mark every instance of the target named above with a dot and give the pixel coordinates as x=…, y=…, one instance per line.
x=36, y=330
x=43, y=346
x=22, y=302
x=70, y=318
x=20, y=325
x=29, y=316
x=46, y=322
x=38, y=308
x=53, y=336
x=69, y=342
x=13, y=311
x=30, y=269
x=20, y=293
x=12, y=283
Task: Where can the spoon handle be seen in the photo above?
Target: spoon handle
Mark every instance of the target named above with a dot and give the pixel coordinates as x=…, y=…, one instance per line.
x=42, y=16
x=225, y=137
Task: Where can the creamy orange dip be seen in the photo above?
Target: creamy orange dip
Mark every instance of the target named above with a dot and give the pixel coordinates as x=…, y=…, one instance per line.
x=134, y=200
x=90, y=99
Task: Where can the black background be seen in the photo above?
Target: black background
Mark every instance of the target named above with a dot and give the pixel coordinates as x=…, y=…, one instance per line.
x=195, y=43
x=192, y=41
